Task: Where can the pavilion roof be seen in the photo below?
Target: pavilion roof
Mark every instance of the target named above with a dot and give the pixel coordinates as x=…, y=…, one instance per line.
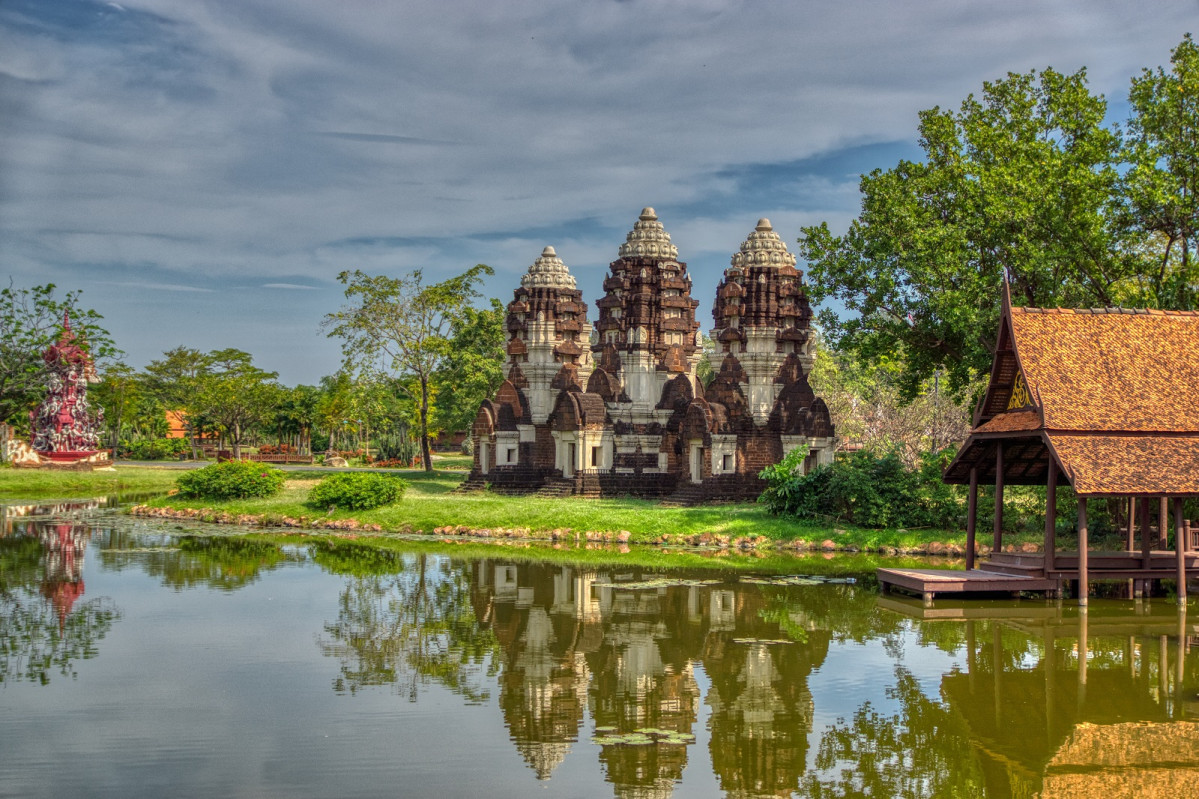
x=1111, y=369
x=1110, y=392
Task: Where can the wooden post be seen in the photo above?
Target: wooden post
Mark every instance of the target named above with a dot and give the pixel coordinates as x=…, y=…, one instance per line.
x=1180, y=666
x=1132, y=523
x=971, y=517
x=1163, y=522
x=1180, y=560
x=997, y=538
x=1146, y=544
x=1083, y=587
x=1083, y=652
x=1050, y=515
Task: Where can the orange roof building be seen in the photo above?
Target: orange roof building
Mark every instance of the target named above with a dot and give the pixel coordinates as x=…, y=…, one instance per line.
x=1101, y=398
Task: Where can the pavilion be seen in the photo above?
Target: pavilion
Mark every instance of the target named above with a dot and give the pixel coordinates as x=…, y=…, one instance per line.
x=1104, y=399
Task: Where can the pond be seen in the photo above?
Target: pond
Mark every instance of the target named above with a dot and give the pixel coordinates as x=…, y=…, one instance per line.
x=138, y=659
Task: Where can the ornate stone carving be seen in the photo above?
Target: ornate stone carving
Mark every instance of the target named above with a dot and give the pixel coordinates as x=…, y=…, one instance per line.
x=64, y=427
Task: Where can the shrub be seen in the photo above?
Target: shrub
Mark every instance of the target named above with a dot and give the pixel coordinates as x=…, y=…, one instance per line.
x=356, y=491
x=231, y=480
x=866, y=488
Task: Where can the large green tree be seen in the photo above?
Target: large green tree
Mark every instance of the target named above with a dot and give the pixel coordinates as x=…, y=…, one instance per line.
x=475, y=365
x=1025, y=180
x=30, y=320
x=174, y=380
x=1021, y=180
x=1160, y=188
x=404, y=327
x=236, y=395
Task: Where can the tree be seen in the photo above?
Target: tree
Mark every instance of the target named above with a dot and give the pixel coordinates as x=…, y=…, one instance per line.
x=474, y=366
x=175, y=381
x=118, y=393
x=404, y=327
x=296, y=415
x=1022, y=180
x=235, y=394
x=1029, y=182
x=1161, y=186
x=869, y=412
x=30, y=320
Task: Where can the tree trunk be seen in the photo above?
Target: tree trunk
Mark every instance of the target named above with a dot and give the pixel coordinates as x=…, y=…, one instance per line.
x=426, y=456
x=236, y=442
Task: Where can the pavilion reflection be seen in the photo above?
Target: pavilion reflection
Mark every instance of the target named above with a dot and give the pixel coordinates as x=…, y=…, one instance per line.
x=1058, y=702
x=625, y=646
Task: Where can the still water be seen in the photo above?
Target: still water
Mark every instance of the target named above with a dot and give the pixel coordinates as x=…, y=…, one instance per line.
x=137, y=659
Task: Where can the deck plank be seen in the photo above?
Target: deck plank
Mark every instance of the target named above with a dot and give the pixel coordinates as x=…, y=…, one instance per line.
x=929, y=582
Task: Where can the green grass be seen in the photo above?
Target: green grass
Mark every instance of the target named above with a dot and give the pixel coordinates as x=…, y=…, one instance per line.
x=428, y=505
x=464, y=462
x=46, y=484
x=592, y=556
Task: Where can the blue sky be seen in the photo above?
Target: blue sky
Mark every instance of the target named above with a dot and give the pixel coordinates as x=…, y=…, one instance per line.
x=203, y=169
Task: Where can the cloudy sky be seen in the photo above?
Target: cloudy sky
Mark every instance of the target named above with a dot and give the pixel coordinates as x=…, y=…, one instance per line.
x=203, y=169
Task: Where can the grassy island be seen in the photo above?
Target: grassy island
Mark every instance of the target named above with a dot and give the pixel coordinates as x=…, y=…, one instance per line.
x=430, y=507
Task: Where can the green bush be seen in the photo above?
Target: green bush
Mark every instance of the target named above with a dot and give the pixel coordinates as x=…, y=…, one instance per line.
x=231, y=480
x=865, y=488
x=356, y=491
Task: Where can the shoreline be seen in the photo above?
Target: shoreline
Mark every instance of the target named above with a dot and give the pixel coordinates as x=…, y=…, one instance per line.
x=484, y=535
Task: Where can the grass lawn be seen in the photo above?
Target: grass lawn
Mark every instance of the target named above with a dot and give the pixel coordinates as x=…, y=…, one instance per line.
x=428, y=504
x=380, y=554
x=45, y=484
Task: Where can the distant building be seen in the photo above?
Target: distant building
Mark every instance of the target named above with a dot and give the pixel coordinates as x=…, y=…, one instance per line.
x=618, y=409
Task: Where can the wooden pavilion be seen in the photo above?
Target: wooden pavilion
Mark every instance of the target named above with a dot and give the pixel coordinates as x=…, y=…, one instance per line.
x=1104, y=399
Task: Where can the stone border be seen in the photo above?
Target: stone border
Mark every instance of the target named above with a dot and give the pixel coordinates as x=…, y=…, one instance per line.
x=562, y=534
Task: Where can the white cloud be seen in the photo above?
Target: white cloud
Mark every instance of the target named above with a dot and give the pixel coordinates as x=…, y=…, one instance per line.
x=288, y=140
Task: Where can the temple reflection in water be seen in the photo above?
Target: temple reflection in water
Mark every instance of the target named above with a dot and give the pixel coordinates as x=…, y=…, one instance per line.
x=723, y=682
x=625, y=646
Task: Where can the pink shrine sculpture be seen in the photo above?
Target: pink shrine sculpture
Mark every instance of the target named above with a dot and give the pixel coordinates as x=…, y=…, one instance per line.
x=65, y=429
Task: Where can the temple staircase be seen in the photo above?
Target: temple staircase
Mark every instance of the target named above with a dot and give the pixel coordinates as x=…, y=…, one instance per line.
x=555, y=488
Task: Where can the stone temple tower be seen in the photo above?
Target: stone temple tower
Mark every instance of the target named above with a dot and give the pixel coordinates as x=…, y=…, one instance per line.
x=547, y=322
x=646, y=331
x=629, y=416
x=762, y=318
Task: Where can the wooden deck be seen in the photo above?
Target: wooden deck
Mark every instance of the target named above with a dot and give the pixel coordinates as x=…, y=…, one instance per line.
x=930, y=582
x=1160, y=564
x=1011, y=573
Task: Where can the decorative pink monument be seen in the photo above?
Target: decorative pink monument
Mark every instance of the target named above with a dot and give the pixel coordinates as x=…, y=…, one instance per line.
x=65, y=429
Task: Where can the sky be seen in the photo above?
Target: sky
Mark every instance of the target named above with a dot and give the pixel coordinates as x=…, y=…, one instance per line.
x=202, y=170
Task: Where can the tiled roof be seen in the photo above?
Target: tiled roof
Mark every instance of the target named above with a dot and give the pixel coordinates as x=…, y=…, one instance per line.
x=1113, y=464
x=1116, y=389
x=1011, y=422
x=1111, y=370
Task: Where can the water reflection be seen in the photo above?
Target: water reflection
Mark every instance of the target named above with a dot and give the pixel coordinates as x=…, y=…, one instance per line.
x=1057, y=702
x=641, y=680
x=404, y=621
x=1039, y=704
x=45, y=625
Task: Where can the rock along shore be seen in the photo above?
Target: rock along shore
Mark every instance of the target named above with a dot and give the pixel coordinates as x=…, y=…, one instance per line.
x=353, y=527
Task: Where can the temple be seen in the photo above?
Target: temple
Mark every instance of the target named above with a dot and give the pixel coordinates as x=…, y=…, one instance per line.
x=618, y=409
